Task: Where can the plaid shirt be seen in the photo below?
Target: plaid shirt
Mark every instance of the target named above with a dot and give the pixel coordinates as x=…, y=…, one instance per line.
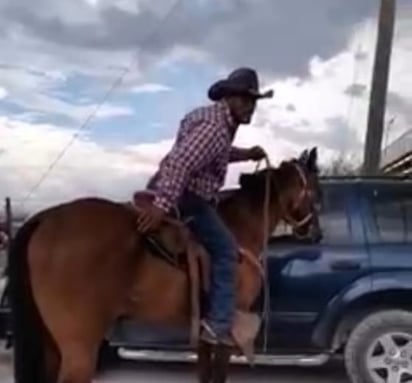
x=199, y=158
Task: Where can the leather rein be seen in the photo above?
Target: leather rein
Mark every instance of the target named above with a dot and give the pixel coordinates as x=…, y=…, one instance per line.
x=260, y=262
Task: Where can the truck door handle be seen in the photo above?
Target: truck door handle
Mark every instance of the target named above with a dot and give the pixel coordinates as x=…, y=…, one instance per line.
x=345, y=264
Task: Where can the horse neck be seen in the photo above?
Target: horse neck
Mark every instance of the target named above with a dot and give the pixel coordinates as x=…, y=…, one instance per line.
x=245, y=217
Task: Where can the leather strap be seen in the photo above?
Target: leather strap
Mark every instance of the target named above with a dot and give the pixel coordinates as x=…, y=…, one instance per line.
x=194, y=283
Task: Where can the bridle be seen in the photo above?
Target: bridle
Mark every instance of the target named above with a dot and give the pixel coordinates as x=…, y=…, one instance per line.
x=286, y=214
x=304, y=193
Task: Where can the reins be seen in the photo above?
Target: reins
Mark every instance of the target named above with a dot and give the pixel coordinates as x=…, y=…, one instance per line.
x=264, y=258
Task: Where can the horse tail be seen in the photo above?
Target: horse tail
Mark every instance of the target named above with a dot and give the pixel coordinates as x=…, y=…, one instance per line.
x=27, y=326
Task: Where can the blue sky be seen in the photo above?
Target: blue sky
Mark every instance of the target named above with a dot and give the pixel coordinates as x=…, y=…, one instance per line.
x=60, y=57
x=158, y=107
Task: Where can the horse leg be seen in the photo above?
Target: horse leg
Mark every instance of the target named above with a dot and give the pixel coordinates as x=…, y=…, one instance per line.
x=78, y=363
x=221, y=363
x=204, y=364
x=51, y=359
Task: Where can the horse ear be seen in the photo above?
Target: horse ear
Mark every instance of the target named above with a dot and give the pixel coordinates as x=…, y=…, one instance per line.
x=304, y=157
x=312, y=161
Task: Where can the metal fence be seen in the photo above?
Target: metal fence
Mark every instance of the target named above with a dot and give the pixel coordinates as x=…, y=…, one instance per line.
x=397, y=150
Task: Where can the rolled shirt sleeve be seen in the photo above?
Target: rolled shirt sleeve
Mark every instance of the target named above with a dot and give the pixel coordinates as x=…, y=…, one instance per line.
x=237, y=154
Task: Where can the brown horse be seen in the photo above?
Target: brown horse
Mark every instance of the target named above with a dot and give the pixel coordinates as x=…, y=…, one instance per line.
x=75, y=268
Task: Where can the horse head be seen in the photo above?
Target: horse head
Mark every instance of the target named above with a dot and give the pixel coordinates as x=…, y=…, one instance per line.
x=293, y=189
x=311, y=229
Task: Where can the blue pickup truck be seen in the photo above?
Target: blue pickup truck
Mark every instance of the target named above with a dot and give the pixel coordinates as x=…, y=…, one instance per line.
x=350, y=294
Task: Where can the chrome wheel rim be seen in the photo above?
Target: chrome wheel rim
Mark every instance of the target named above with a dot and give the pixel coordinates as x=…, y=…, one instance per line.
x=389, y=358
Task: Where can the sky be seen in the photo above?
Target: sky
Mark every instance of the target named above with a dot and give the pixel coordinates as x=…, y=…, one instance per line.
x=92, y=91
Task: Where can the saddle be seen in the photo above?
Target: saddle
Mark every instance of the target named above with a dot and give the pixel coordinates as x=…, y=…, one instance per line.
x=194, y=260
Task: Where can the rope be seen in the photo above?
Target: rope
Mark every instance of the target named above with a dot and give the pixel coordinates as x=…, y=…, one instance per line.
x=266, y=234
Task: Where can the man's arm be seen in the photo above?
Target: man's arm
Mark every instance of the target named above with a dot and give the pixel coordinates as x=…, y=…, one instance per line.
x=238, y=154
x=192, y=153
x=256, y=153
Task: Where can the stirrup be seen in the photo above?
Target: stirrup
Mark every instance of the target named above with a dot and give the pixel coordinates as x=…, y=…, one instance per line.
x=207, y=334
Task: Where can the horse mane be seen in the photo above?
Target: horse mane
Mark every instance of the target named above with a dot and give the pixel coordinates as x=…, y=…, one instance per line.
x=253, y=185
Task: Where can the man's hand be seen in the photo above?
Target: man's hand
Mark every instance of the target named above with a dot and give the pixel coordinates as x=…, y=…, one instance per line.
x=150, y=218
x=256, y=153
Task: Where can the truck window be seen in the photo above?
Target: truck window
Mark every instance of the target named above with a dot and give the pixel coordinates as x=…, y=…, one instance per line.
x=335, y=215
x=334, y=218
x=391, y=214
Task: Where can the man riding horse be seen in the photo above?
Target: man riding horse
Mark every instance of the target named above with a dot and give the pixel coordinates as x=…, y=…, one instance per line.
x=191, y=175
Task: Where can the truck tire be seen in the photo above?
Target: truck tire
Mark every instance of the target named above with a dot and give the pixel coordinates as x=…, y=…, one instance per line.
x=379, y=349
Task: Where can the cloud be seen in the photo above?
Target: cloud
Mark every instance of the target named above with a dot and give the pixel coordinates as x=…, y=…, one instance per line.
x=48, y=47
x=28, y=149
x=355, y=90
x=151, y=88
x=106, y=111
x=42, y=92
x=3, y=93
x=100, y=39
x=330, y=104
x=59, y=57
x=263, y=26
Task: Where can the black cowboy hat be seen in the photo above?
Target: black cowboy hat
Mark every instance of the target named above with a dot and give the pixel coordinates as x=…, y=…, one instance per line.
x=242, y=81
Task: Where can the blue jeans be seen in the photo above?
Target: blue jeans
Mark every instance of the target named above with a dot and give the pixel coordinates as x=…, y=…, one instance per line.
x=211, y=231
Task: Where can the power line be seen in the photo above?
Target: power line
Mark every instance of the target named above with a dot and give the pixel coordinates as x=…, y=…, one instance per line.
x=105, y=97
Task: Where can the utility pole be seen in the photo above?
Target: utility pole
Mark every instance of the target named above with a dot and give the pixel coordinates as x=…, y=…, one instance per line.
x=377, y=106
x=9, y=222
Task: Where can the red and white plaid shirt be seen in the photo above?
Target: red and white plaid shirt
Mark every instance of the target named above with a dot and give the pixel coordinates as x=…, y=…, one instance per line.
x=199, y=158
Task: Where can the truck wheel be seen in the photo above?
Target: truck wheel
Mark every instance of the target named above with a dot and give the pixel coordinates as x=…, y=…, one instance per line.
x=379, y=349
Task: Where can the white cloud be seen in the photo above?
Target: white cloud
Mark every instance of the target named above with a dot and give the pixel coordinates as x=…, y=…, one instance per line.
x=34, y=89
x=3, y=92
x=96, y=39
x=151, y=88
x=106, y=111
x=317, y=110
x=27, y=150
x=93, y=3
